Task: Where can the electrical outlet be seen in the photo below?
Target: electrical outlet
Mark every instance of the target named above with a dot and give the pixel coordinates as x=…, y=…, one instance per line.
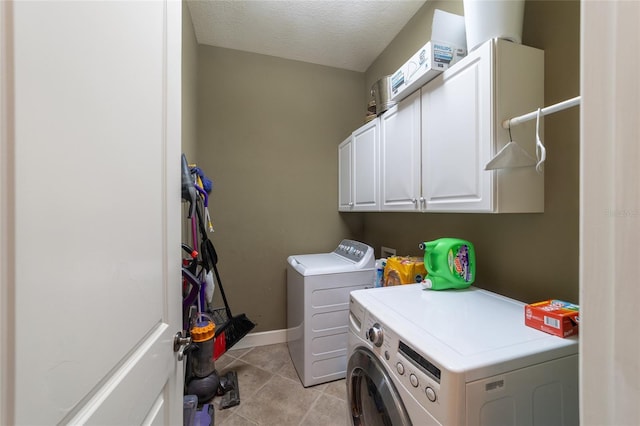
x=387, y=252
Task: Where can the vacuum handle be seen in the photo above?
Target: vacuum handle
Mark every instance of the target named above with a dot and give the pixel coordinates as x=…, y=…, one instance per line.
x=188, y=186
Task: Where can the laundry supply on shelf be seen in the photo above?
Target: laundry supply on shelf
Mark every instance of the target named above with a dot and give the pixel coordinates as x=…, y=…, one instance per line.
x=404, y=270
x=554, y=317
x=450, y=263
x=380, y=265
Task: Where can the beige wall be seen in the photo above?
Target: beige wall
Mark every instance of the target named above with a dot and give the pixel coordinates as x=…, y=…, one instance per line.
x=189, y=84
x=526, y=256
x=268, y=131
x=267, y=134
x=189, y=100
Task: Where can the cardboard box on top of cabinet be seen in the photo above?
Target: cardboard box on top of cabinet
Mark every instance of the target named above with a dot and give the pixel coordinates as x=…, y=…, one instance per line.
x=425, y=65
x=554, y=317
x=446, y=47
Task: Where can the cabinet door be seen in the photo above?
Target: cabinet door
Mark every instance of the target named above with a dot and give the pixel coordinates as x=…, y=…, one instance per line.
x=400, y=156
x=457, y=135
x=366, y=167
x=345, y=175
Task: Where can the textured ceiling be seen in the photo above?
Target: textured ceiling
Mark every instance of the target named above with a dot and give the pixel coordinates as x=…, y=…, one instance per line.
x=348, y=34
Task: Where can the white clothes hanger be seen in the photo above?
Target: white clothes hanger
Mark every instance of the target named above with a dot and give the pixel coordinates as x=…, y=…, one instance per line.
x=541, y=152
x=510, y=156
x=513, y=155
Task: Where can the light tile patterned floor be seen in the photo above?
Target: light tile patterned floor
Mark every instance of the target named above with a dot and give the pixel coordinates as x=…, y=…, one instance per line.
x=271, y=392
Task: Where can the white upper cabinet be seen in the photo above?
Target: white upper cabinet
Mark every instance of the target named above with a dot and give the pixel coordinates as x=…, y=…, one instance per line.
x=462, y=113
x=359, y=166
x=345, y=175
x=400, y=160
x=432, y=148
x=456, y=132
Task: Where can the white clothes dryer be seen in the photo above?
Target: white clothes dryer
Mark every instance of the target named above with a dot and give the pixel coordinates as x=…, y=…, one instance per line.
x=455, y=357
x=318, y=287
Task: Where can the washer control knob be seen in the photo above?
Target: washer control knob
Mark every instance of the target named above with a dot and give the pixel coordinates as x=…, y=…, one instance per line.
x=375, y=334
x=400, y=368
x=431, y=394
x=414, y=380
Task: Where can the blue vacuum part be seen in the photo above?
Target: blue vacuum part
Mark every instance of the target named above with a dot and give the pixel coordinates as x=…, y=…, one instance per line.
x=205, y=416
x=189, y=408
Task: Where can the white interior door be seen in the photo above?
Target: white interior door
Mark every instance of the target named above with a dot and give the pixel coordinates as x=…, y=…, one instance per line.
x=90, y=190
x=609, y=213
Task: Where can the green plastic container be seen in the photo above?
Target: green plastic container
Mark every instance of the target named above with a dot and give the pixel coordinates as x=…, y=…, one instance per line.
x=450, y=263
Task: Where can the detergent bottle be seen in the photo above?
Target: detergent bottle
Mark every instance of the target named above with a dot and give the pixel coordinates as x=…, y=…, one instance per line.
x=450, y=263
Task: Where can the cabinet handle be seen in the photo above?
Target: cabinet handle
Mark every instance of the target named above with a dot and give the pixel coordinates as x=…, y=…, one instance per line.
x=423, y=203
x=414, y=200
x=351, y=204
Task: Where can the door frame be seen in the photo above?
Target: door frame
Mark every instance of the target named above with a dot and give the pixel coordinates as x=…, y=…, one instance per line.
x=609, y=212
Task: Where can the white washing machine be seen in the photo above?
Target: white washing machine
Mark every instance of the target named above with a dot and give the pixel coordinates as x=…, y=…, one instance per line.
x=318, y=287
x=455, y=357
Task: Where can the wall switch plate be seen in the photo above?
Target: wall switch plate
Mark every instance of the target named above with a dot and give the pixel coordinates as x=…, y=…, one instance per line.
x=387, y=252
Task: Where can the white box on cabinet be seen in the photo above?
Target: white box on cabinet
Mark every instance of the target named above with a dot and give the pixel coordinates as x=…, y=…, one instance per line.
x=434, y=58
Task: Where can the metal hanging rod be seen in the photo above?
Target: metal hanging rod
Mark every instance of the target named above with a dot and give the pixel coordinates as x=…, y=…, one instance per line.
x=544, y=111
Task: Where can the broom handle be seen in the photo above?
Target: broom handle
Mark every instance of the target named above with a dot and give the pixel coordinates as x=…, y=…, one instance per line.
x=224, y=297
x=194, y=231
x=213, y=263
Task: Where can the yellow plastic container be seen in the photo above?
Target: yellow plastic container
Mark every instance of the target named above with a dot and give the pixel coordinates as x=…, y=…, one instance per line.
x=403, y=270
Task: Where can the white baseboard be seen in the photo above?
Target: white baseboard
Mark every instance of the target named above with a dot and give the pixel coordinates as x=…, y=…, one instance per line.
x=261, y=339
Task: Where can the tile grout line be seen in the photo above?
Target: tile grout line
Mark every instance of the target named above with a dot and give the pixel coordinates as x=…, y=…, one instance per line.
x=282, y=373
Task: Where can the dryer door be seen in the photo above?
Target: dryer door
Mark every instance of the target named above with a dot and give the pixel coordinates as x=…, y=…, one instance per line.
x=373, y=398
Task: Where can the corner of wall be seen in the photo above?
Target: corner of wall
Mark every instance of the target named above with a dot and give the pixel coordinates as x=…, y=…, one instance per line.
x=189, y=84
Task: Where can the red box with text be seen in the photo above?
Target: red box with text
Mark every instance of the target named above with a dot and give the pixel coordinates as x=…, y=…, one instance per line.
x=554, y=317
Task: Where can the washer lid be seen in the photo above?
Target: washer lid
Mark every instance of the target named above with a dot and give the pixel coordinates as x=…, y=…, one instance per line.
x=321, y=263
x=462, y=329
